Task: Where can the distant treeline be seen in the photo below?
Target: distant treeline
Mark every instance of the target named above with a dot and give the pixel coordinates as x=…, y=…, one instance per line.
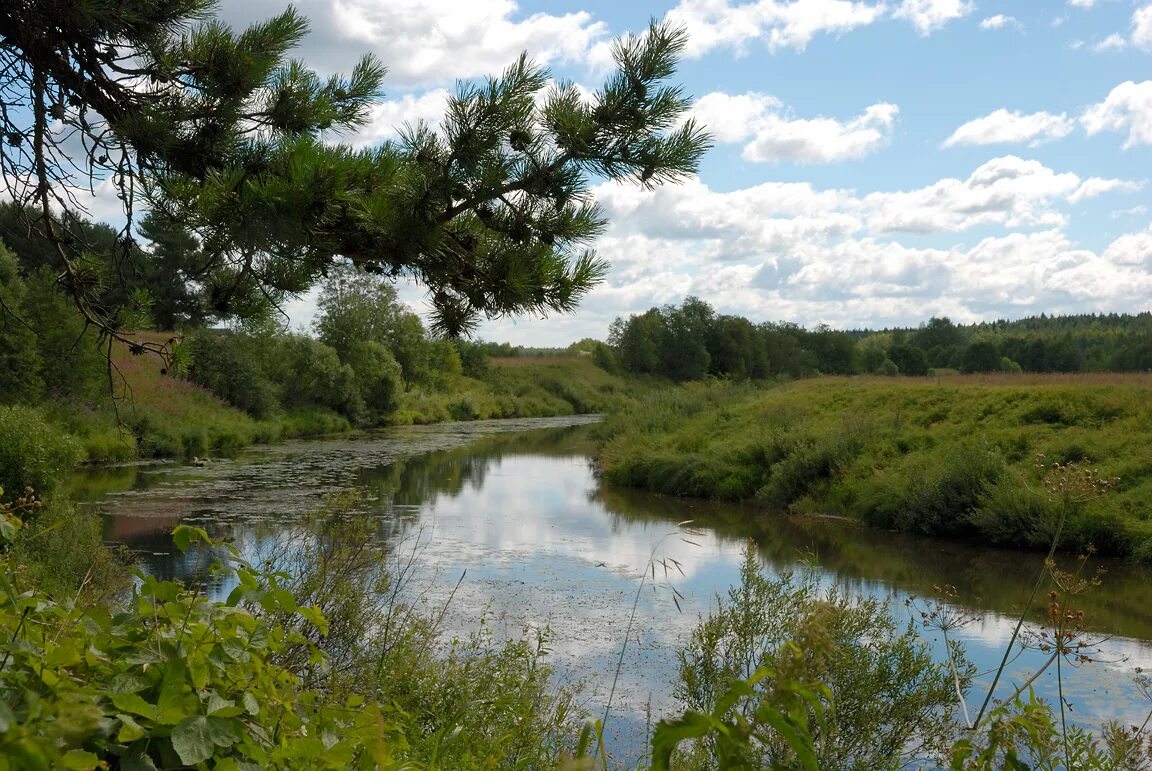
x=692, y=341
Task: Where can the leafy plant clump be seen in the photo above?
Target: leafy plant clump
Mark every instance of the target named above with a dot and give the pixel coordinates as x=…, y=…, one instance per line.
x=883, y=700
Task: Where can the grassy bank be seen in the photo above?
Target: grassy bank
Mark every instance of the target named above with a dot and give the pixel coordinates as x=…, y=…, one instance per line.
x=955, y=456
x=161, y=415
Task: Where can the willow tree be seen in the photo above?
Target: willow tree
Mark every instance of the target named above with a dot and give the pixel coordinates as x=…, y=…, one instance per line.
x=223, y=132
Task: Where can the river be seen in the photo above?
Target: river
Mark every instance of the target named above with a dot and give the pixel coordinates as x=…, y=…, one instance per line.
x=514, y=508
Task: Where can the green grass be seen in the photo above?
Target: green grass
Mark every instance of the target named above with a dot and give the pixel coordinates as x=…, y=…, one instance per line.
x=520, y=388
x=161, y=415
x=955, y=457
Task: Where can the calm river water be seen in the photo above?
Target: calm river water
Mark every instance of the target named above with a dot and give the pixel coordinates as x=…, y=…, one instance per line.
x=516, y=505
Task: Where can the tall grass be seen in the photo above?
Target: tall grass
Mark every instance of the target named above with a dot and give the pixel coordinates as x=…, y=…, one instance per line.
x=952, y=456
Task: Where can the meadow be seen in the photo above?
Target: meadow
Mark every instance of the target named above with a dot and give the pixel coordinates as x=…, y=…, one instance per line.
x=954, y=456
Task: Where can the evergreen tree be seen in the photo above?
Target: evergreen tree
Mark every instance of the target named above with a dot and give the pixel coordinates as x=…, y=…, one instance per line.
x=219, y=130
x=174, y=261
x=20, y=363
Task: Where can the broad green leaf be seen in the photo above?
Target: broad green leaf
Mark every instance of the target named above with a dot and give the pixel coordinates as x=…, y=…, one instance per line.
x=137, y=759
x=79, y=759
x=224, y=731
x=185, y=535
x=192, y=740
x=216, y=702
x=134, y=704
x=130, y=730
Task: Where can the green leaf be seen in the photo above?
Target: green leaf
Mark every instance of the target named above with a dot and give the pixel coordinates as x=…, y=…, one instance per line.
x=251, y=704
x=79, y=759
x=192, y=740
x=130, y=730
x=217, y=703
x=134, y=704
x=185, y=535
x=797, y=737
x=137, y=759
x=224, y=731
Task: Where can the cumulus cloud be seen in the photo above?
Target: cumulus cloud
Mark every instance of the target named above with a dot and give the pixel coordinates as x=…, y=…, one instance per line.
x=1003, y=126
x=779, y=217
x=1008, y=191
x=1000, y=21
x=928, y=16
x=426, y=42
x=773, y=134
x=777, y=23
x=389, y=117
x=793, y=24
x=792, y=250
x=1139, y=34
x=1126, y=109
x=1142, y=27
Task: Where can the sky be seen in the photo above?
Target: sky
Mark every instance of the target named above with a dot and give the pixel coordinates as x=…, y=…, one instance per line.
x=876, y=162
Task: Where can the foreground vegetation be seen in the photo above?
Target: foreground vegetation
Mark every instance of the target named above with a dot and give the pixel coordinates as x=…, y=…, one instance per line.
x=954, y=457
x=318, y=663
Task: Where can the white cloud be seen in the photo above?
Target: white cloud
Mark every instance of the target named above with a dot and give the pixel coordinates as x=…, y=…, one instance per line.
x=1138, y=210
x=778, y=23
x=1081, y=3
x=790, y=250
x=390, y=116
x=1142, y=27
x=1000, y=21
x=1127, y=108
x=1140, y=33
x=1096, y=186
x=774, y=134
x=429, y=40
x=1008, y=191
x=426, y=42
x=930, y=15
x=1134, y=249
x=779, y=217
x=1003, y=126
x=1113, y=42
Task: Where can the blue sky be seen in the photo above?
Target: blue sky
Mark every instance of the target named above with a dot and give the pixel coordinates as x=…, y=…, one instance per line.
x=877, y=162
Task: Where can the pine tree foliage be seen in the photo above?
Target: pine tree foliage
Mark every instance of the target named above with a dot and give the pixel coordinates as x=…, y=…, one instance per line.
x=221, y=131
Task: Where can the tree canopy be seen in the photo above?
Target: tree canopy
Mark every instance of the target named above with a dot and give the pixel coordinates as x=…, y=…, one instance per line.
x=223, y=132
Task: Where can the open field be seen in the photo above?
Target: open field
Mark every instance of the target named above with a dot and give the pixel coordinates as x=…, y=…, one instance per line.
x=958, y=456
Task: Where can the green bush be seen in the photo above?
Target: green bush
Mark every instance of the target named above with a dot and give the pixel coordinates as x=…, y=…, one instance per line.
x=225, y=365
x=943, y=492
x=378, y=378
x=806, y=462
x=885, y=701
x=33, y=453
x=1009, y=512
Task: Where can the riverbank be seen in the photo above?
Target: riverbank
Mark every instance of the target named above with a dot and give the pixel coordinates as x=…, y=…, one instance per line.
x=158, y=415
x=953, y=457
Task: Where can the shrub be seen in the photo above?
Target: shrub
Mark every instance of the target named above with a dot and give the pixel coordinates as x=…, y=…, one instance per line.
x=807, y=461
x=378, y=378
x=884, y=697
x=943, y=493
x=1008, y=512
x=33, y=453
x=225, y=365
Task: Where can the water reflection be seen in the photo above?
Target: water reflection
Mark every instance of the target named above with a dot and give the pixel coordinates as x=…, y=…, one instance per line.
x=543, y=545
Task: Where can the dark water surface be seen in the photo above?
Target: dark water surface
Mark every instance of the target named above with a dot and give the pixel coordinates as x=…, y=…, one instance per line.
x=516, y=505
